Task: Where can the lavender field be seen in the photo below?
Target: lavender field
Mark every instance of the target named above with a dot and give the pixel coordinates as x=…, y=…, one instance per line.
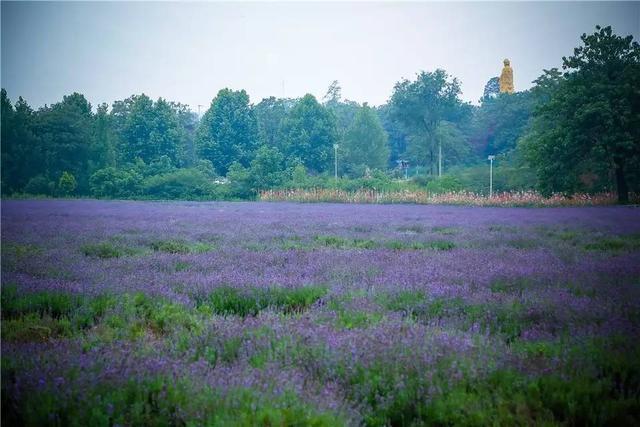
x=178, y=313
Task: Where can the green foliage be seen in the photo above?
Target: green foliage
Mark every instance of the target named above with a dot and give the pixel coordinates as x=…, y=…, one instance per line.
x=444, y=184
x=174, y=246
x=182, y=183
x=53, y=304
x=32, y=327
x=310, y=132
x=421, y=106
x=590, y=126
x=106, y=250
x=21, y=150
x=228, y=131
x=618, y=243
x=147, y=130
x=115, y=183
x=40, y=185
x=239, y=184
x=67, y=184
x=248, y=302
x=65, y=132
x=271, y=114
x=365, y=142
x=501, y=121
x=267, y=169
x=170, y=246
x=163, y=400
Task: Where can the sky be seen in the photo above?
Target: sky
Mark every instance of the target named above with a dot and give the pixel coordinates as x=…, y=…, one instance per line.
x=186, y=52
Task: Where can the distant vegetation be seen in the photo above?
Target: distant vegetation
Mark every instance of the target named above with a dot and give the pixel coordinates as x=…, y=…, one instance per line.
x=576, y=131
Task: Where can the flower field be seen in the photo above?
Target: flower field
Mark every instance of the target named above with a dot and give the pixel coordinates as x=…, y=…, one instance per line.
x=179, y=313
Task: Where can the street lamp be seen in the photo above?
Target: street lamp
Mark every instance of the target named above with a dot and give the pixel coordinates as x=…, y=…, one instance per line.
x=335, y=163
x=491, y=158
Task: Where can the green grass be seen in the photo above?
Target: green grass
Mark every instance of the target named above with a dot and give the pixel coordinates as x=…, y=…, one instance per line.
x=163, y=401
x=615, y=244
x=413, y=228
x=173, y=246
x=249, y=302
x=106, y=250
x=337, y=242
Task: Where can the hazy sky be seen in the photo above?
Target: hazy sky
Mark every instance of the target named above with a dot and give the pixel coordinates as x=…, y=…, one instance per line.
x=186, y=52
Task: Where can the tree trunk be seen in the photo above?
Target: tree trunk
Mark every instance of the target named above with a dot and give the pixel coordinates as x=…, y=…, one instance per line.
x=621, y=183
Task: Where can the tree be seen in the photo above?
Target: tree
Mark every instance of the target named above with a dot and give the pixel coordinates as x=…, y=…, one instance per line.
x=271, y=114
x=102, y=152
x=115, y=183
x=267, y=169
x=147, y=129
x=228, y=131
x=310, y=133
x=500, y=121
x=67, y=183
x=492, y=88
x=334, y=93
x=22, y=157
x=453, y=141
x=397, y=137
x=365, y=142
x=591, y=124
x=66, y=132
x=420, y=105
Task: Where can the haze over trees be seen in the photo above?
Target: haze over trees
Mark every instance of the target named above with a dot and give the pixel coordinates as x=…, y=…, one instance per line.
x=573, y=131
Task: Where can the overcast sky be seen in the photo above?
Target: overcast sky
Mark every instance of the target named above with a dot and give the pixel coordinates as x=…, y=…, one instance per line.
x=186, y=52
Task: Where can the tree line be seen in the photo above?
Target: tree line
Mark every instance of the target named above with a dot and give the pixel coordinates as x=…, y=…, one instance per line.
x=576, y=130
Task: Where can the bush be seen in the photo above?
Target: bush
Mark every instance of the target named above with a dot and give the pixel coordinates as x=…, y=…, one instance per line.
x=182, y=183
x=115, y=183
x=67, y=184
x=39, y=185
x=445, y=184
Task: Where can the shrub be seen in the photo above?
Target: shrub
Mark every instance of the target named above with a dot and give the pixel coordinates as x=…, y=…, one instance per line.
x=67, y=184
x=105, y=250
x=115, y=183
x=39, y=185
x=248, y=302
x=181, y=183
x=445, y=184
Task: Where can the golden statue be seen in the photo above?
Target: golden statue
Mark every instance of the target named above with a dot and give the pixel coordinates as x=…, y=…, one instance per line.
x=506, y=78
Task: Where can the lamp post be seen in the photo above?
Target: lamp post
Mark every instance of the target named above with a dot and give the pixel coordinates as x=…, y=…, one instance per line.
x=491, y=158
x=335, y=161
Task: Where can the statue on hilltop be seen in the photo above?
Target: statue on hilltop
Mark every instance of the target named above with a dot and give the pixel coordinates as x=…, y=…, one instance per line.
x=506, y=78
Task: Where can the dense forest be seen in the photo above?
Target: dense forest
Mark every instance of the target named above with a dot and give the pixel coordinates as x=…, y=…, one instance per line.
x=576, y=130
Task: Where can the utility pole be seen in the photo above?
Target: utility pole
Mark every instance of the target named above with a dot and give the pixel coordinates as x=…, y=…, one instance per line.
x=491, y=158
x=335, y=164
x=439, y=159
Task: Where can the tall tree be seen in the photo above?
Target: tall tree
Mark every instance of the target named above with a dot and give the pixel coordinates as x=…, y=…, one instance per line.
x=396, y=134
x=188, y=121
x=271, y=114
x=310, y=132
x=344, y=111
x=103, y=151
x=421, y=104
x=66, y=132
x=492, y=88
x=21, y=151
x=500, y=121
x=147, y=130
x=365, y=142
x=591, y=123
x=228, y=131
